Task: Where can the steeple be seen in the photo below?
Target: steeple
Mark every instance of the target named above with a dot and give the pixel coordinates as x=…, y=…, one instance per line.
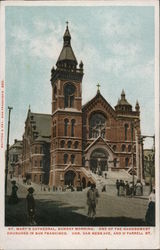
x=67, y=58
x=67, y=37
x=137, y=107
x=66, y=65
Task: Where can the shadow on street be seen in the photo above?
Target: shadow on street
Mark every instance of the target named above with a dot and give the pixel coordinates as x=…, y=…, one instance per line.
x=55, y=213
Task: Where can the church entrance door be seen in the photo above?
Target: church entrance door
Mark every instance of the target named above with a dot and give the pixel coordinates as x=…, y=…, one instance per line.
x=99, y=161
x=69, y=178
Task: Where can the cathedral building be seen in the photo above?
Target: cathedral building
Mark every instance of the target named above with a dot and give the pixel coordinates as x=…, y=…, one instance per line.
x=77, y=142
x=92, y=138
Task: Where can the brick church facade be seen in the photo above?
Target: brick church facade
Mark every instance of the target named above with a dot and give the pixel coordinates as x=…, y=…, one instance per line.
x=76, y=141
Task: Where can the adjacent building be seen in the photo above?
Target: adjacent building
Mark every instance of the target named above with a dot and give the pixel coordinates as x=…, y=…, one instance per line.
x=36, y=147
x=15, y=155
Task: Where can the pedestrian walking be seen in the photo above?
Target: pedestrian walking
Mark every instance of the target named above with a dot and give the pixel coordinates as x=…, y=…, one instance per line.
x=92, y=200
x=31, y=206
x=138, y=188
x=121, y=188
x=117, y=186
x=13, y=198
x=127, y=188
x=150, y=214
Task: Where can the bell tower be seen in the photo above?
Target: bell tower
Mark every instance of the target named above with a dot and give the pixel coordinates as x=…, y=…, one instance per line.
x=66, y=127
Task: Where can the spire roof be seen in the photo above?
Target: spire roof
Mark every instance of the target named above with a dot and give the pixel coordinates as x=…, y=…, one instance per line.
x=67, y=54
x=123, y=104
x=123, y=100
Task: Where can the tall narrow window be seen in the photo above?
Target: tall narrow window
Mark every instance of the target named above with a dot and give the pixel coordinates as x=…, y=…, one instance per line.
x=69, y=144
x=66, y=127
x=72, y=127
x=125, y=131
x=69, y=92
x=129, y=148
x=76, y=144
x=123, y=148
x=126, y=162
x=72, y=158
x=65, y=158
x=55, y=92
x=62, y=144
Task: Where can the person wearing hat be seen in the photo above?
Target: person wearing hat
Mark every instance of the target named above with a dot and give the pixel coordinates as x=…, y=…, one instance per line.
x=92, y=200
x=13, y=198
x=31, y=206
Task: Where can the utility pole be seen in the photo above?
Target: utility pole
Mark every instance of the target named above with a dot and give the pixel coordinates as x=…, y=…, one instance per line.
x=7, y=152
x=132, y=128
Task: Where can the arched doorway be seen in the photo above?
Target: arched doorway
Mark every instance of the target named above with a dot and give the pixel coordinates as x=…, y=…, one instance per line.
x=83, y=182
x=99, y=161
x=69, y=178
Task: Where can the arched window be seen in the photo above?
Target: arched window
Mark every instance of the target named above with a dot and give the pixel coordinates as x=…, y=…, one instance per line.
x=65, y=158
x=97, y=125
x=66, y=127
x=72, y=127
x=126, y=162
x=129, y=148
x=114, y=148
x=62, y=144
x=69, y=144
x=35, y=163
x=76, y=144
x=125, y=131
x=123, y=148
x=69, y=92
x=41, y=163
x=72, y=158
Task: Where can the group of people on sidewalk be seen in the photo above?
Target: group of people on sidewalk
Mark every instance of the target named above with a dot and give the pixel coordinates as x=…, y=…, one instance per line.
x=125, y=188
x=92, y=201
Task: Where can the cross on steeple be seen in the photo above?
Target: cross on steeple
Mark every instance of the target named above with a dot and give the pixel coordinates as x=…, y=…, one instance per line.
x=98, y=88
x=67, y=23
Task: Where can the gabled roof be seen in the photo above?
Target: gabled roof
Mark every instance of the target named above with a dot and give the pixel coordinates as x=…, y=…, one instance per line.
x=99, y=138
x=42, y=123
x=99, y=96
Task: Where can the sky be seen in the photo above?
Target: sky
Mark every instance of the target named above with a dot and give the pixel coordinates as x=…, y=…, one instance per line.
x=115, y=43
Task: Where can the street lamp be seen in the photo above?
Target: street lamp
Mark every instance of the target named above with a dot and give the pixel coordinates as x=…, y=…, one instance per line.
x=7, y=152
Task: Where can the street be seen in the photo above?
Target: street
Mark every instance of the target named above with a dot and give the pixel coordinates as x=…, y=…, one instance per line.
x=70, y=209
